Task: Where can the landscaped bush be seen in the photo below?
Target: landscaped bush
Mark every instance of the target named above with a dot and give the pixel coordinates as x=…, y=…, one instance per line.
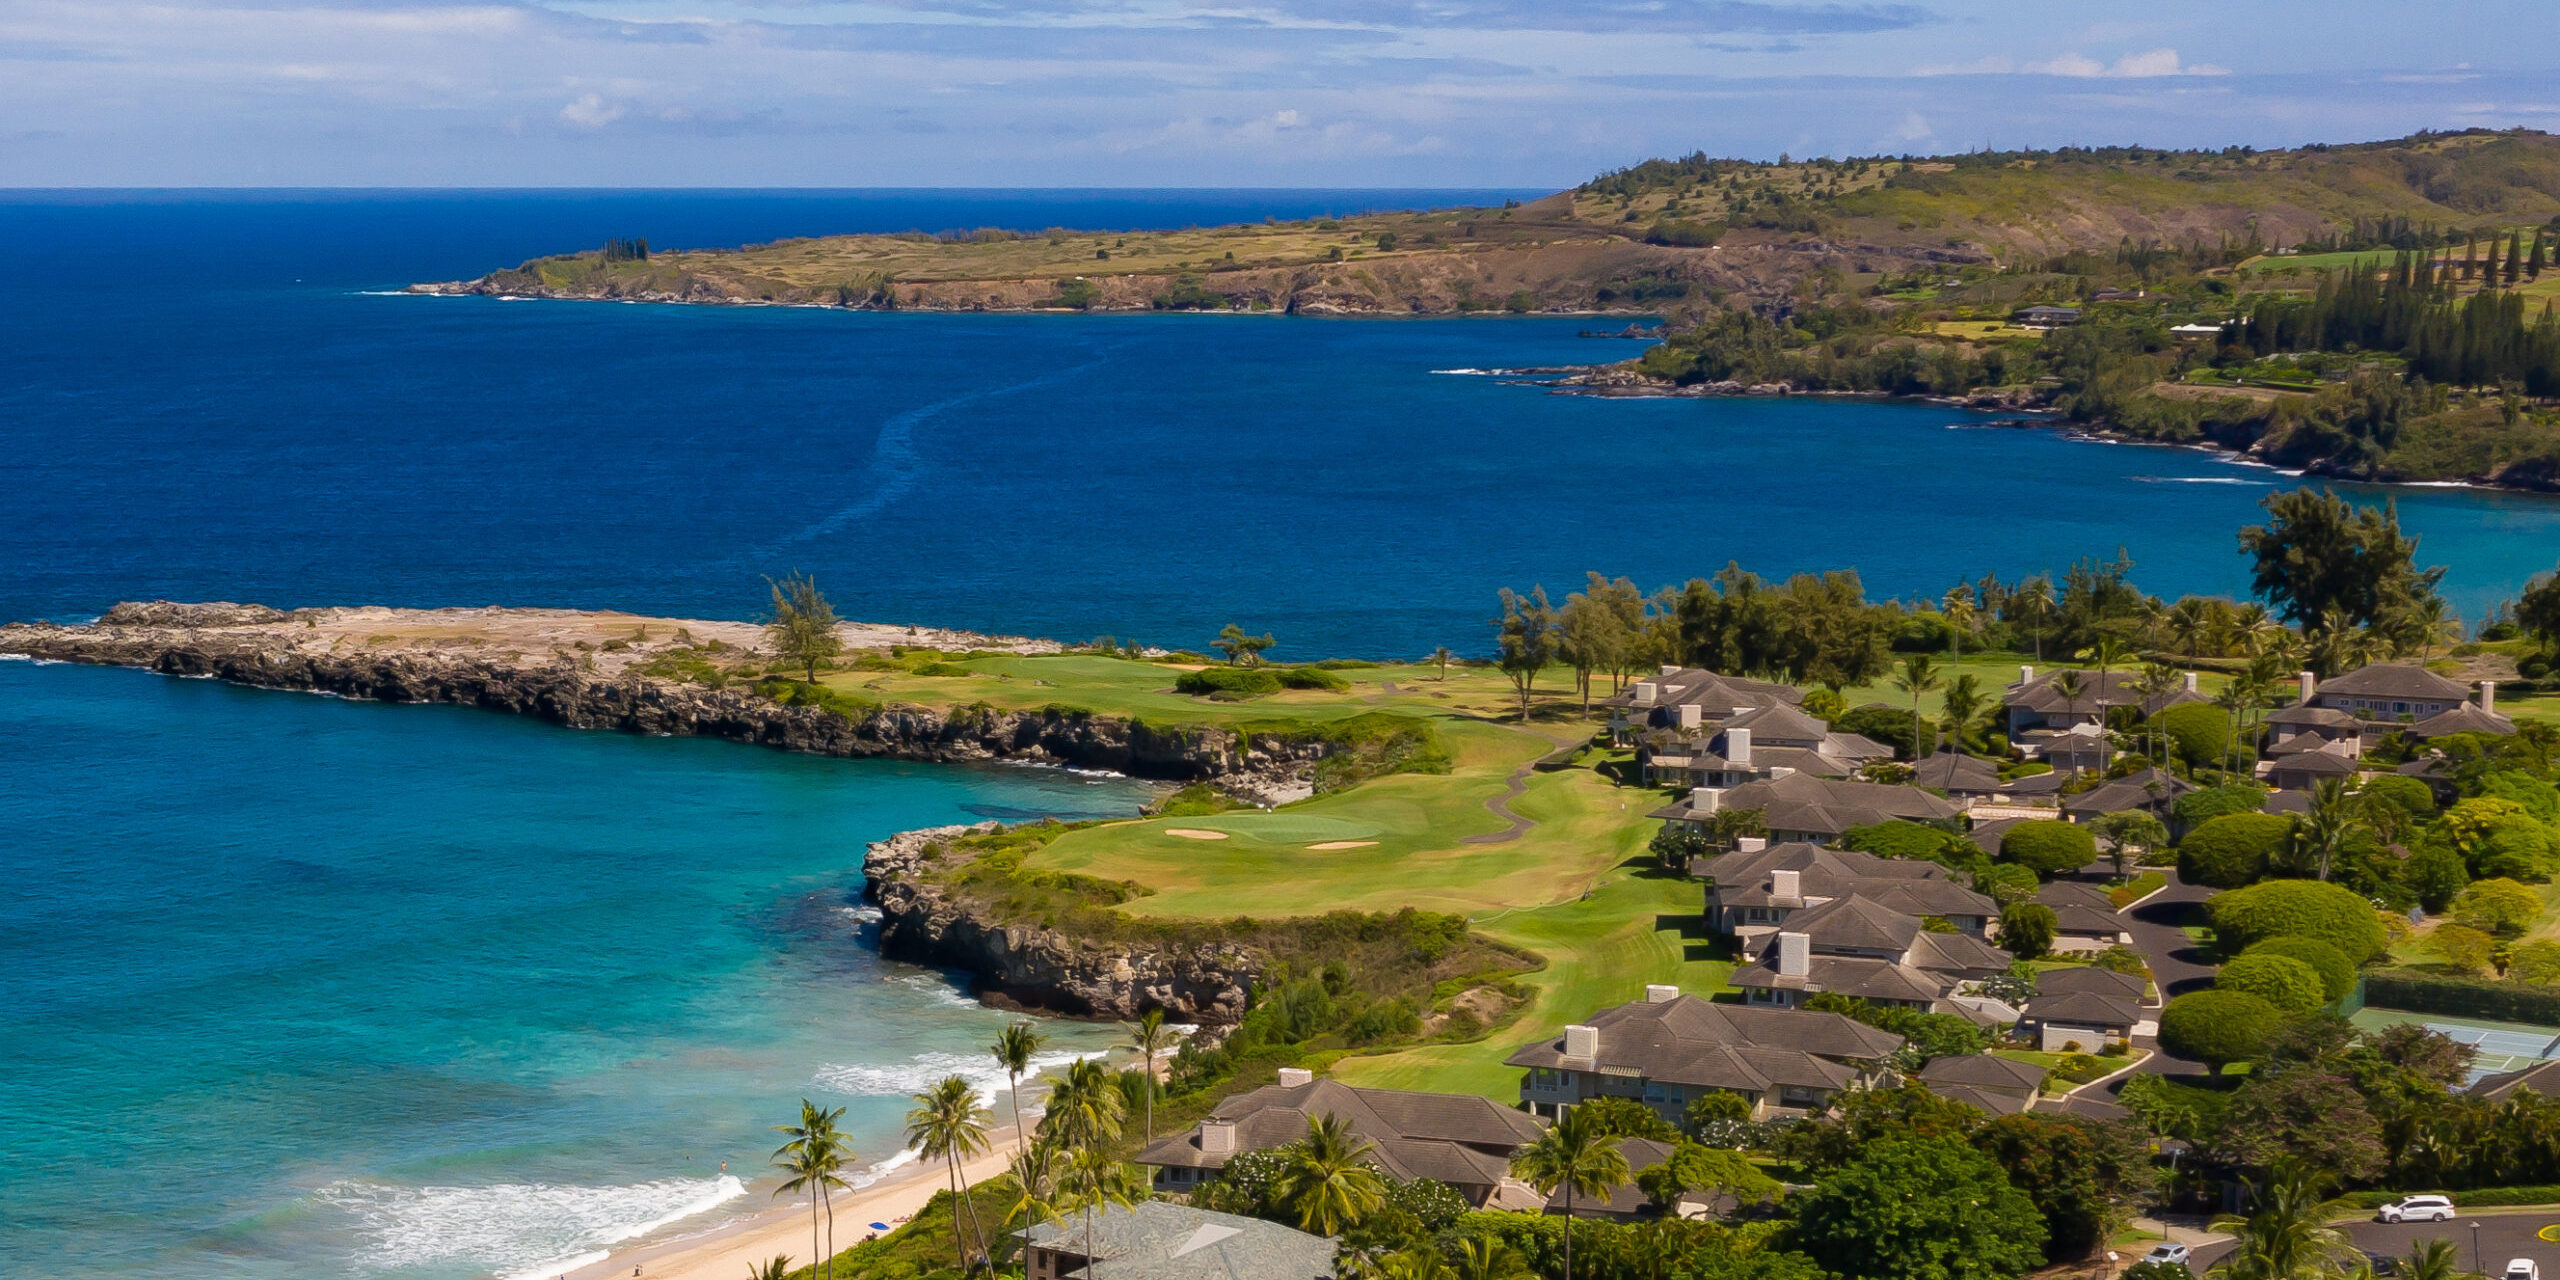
x=1228, y=684
x=2409, y=795
x=2303, y=908
x=2199, y=732
x=1900, y=839
x=2337, y=973
x=2476, y=1198
x=2282, y=981
x=2049, y=847
x=2497, y=906
x=2419, y=992
x=2197, y=807
x=2232, y=850
x=2217, y=1027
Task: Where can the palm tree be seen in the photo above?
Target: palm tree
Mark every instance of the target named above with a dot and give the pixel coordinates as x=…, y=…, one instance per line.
x=1038, y=1171
x=2109, y=653
x=1085, y=1115
x=1919, y=675
x=1485, y=1258
x=1150, y=1037
x=778, y=1267
x=2435, y=1259
x=1442, y=656
x=2285, y=1233
x=1578, y=1156
x=1014, y=1048
x=1094, y=1180
x=2233, y=699
x=1329, y=1181
x=1962, y=702
x=2035, y=595
x=2331, y=826
x=812, y=1159
x=1957, y=607
x=2154, y=680
x=1419, y=1262
x=950, y=1124
x=2070, y=684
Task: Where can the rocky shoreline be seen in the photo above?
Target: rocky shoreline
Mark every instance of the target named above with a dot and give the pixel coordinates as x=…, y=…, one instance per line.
x=1622, y=382
x=516, y=661
x=1025, y=966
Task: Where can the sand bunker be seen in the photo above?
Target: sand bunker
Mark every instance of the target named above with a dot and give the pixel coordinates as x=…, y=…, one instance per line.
x=1330, y=845
x=1194, y=833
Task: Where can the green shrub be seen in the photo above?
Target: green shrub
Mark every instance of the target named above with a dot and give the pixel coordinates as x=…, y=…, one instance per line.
x=1228, y=684
x=2197, y=807
x=2337, y=973
x=2420, y=992
x=2199, y=732
x=2282, y=981
x=2409, y=795
x=1901, y=839
x=2304, y=908
x=2232, y=850
x=2049, y=847
x=2218, y=1027
x=2497, y=906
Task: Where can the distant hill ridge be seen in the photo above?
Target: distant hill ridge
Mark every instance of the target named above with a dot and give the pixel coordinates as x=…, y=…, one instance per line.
x=1659, y=235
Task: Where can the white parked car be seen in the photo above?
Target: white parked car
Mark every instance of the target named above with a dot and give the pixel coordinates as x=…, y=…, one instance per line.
x=2523, y=1269
x=2419, y=1209
x=2167, y=1252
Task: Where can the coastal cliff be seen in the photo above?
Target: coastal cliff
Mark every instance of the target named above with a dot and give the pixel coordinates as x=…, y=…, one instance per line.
x=1039, y=967
x=526, y=662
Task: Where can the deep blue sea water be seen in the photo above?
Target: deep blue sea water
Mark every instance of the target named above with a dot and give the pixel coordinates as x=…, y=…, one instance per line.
x=290, y=986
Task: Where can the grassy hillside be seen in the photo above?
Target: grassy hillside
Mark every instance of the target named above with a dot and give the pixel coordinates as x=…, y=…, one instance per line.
x=1661, y=235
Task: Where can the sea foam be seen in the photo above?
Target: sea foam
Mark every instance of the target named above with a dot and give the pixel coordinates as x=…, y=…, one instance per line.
x=923, y=1071
x=525, y=1230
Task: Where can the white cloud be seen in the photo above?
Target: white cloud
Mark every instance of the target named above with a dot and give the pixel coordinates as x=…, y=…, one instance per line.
x=1288, y=120
x=2148, y=65
x=591, y=111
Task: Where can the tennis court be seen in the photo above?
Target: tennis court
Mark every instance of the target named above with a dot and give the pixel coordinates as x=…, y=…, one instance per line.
x=2497, y=1046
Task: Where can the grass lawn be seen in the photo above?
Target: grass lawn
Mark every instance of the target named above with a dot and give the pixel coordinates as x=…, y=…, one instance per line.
x=1636, y=927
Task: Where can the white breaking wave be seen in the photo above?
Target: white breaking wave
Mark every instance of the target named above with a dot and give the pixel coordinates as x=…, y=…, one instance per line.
x=923, y=1071
x=864, y=913
x=1468, y=373
x=2204, y=480
x=17, y=657
x=938, y=989
x=517, y=1229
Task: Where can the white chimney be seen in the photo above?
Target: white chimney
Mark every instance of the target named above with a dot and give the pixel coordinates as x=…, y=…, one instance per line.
x=1295, y=1077
x=2489, y=695
x=1660, y=993
x=2026, y=674
x=1750, y=844
x=1786, y=884
x=1691, y=715
x=1671, y=668
x=1644, y=693
x=1704, y=799
x=1737, y=746
x=1795, y=955
x=1777, y=771
x=2310, y=685
x=1581, y=1041
x=2191, y=682
x=1217, y=1137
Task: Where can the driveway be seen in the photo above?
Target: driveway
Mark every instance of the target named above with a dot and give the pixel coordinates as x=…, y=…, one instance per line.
x=2177, y=965
x=2504, y=1234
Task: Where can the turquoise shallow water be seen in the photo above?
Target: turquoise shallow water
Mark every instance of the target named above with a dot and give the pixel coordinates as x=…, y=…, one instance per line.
x=305, y=987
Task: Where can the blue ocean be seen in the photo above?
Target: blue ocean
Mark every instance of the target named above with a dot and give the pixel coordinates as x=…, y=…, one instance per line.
x=292, y=986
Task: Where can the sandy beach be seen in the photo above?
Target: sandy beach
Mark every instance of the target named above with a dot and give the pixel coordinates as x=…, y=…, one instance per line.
x=728, y=1253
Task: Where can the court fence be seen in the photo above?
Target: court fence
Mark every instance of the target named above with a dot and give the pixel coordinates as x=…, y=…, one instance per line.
x=2417, y=992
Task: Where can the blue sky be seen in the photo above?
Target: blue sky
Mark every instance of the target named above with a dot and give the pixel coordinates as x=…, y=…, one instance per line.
x=1529, y=93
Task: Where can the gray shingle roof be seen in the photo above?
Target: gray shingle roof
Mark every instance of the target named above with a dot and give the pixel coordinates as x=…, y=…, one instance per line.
x=2467, y=718
x=2542, y=1078
x=1825, y=806
x=1160, y=1240
x=1849, y=976
x=1460, y=1139
x=1957, y=773
x=2084, y=1009
x=1984, y=1071
x=2392, y=680
x=2092, y=979
x=2149, y=789
x=1718, y=694
x=1744, y=1047
x=2097, y=690
x=1958, y=953
x=1855, y=923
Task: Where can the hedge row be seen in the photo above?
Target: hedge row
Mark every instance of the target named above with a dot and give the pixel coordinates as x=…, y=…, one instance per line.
x=2481, y=1198
x=2419, y=992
